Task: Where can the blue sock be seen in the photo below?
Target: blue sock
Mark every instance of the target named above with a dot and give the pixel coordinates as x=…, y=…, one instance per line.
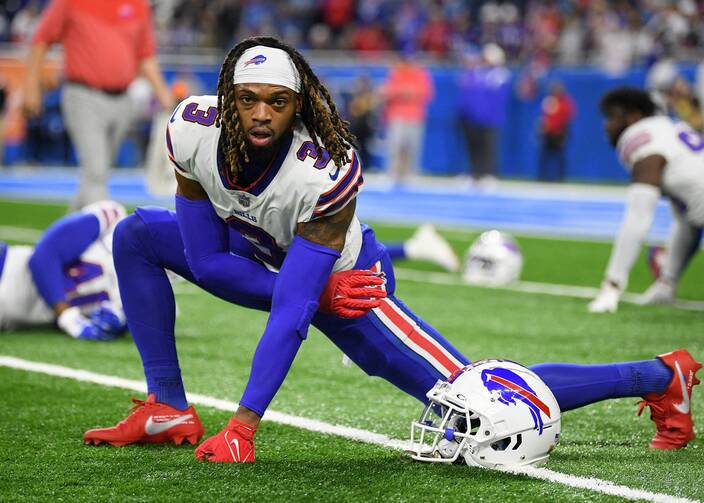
x=578, y=385
x=396, y=251
x=149, y=306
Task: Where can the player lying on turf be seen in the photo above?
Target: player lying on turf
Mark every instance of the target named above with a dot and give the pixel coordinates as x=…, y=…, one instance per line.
x=251, y=159
x=67, y=278
x=664, y=157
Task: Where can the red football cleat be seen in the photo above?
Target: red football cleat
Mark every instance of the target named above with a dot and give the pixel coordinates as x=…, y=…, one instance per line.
x=672, y=411
x=150, y=422
x=234, y=444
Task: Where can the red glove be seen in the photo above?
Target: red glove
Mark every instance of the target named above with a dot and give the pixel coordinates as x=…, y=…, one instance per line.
x=353, y=293
x=234, y=444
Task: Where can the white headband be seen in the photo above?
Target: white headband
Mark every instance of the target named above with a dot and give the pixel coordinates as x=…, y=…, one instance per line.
x=267, y=65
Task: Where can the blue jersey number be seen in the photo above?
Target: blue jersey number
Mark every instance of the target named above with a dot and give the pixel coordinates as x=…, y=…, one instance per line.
x=83, y=272
x=692, y=139
x=191, y=113
x=308, y=150
x=264, y=243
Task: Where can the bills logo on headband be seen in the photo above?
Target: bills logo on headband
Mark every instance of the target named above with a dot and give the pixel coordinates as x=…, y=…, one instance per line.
x=512, y=387
x=256, y=60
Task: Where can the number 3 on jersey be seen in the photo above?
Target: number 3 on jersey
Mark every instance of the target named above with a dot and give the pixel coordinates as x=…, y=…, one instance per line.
x=265, y=247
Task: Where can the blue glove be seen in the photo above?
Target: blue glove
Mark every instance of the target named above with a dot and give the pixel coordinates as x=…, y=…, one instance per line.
x=109, y=318
x=78, y=326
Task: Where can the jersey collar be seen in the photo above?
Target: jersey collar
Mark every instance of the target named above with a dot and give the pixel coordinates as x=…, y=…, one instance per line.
x=267, y=175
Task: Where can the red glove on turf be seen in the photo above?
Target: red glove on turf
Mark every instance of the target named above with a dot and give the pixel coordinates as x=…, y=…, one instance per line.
x=351, y=294
x=234, y=444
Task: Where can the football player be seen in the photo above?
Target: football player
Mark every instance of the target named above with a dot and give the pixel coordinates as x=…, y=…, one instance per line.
x=664, y=157
x=67, y=278
x=270, y=157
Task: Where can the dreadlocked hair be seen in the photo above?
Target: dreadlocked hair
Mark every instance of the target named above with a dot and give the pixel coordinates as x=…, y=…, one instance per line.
x=318, y=111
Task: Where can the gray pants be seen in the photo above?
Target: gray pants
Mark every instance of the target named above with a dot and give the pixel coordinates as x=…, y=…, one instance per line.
x=405, y=143
x=96, y=122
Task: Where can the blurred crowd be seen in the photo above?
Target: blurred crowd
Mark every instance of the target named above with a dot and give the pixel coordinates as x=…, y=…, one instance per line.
x=614, y=33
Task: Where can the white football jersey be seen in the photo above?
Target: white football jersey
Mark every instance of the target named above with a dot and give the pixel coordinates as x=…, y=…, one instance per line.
x=297, y=186
x=683, y=150
x=88, y=281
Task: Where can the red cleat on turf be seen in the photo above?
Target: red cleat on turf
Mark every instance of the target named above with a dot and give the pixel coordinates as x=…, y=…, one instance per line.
x=234, y=444
x=150, y=422
x=671, y=411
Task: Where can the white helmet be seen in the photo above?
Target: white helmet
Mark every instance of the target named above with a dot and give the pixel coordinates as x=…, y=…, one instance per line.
x=490, y=413
x=493, y=259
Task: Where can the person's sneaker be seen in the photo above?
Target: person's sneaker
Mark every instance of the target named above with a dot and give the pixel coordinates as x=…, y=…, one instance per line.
x=671, y=411
x=427, y=244
x=150, y=422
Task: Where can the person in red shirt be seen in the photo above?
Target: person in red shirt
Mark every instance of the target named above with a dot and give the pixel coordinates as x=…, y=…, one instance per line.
x=408, y=90
x=106, y=44
x=558, y=110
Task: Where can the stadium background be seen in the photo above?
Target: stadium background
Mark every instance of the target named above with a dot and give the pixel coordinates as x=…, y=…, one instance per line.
x=564, y=230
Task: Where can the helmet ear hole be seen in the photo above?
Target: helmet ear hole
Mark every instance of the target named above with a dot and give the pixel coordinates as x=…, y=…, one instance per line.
x=501, y=445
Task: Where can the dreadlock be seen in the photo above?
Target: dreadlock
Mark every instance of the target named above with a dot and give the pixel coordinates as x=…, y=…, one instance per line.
x=318, y=111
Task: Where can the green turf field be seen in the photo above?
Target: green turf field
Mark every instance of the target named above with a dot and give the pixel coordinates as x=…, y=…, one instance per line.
x=43, y=417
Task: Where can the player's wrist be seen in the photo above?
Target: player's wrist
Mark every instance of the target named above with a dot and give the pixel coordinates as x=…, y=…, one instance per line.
x=247, y=417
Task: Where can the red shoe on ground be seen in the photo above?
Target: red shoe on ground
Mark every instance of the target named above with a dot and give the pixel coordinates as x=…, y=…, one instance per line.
x=150, y=422
x=671, y=411
x=234, y=444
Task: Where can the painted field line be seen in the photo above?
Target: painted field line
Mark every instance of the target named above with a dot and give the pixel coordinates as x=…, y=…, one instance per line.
x=582, y=292
x=587, y=483
x=19, y=233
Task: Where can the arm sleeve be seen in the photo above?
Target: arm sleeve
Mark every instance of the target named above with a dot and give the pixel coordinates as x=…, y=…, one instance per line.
x=51, y=24
x=640, y=210
x=681, y=247
x=300, y=282
x=62, y=244
x=206, y=240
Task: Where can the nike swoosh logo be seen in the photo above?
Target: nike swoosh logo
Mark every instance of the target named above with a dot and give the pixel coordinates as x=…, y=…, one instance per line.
x=684, y=406
x=236, y=443
x=152, y=428
x=334, y=177
x=173, y=115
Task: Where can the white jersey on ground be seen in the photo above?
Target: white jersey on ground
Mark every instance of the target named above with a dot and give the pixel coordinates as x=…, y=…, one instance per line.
x=683, y=150
x=88, y=281
x=298, y=185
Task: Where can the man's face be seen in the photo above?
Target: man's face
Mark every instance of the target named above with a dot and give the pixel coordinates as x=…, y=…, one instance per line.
x=615, y=121
x=266, y=112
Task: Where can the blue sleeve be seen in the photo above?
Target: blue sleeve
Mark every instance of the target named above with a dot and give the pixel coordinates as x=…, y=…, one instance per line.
x=299, y=284
x=206, y=241
x=62, y=244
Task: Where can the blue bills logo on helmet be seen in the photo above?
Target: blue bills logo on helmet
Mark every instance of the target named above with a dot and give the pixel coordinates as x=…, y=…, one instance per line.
x=256, y=60
x=512, y=387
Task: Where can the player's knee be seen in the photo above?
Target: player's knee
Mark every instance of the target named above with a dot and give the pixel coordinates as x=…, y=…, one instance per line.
x=131, y=237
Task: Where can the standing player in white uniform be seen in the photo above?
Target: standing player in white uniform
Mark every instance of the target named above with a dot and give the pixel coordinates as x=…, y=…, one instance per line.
x=664, y=157
x=252, y=159
x=67, y=278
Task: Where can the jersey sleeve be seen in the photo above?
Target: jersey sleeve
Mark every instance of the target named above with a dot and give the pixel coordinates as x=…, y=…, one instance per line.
x=108, y=213
x=185, y=130
x=643, y=140
x=340, y=185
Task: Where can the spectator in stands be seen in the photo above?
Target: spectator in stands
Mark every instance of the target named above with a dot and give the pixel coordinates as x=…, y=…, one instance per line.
x=3, y=101
x=407, y=92
x=483, y=94
x=558, y=110
x=106, y=44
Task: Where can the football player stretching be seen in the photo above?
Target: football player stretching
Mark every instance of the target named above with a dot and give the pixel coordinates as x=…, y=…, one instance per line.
x=67, y=278
x=664, y=157
x=270, y=157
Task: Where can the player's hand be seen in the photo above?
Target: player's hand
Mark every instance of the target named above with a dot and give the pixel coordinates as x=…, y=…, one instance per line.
x=234, y=444
x=78, y=326
x=352, y=293
x=607, y=300
x=660, y=292
x=32, y=101
x=109, y=318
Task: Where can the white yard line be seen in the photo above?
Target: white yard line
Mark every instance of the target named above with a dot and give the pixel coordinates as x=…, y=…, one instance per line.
x=588, y=483
x=19, y=233
x=583, y=292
